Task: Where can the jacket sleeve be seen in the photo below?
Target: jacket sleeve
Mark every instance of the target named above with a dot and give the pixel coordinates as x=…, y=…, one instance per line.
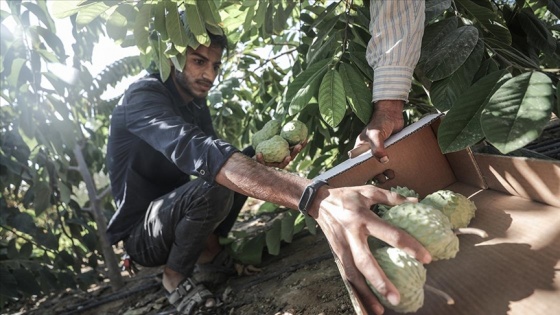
x=150, y=115
x=397, y=28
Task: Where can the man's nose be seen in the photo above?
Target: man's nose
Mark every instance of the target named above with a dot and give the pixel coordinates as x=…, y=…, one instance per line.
x=209, y=73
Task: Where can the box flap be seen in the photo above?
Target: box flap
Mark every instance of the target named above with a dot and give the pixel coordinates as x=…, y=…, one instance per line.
x=411, y=170
x=407, y=131
x=528, y=178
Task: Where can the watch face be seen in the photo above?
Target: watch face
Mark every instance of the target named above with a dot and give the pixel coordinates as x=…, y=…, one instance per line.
x=309, y=194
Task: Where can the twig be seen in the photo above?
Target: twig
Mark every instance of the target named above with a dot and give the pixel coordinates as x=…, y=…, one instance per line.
x=470, y=230
x=439, y=292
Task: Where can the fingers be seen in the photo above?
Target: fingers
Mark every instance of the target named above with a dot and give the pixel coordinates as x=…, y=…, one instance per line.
x=377, y=279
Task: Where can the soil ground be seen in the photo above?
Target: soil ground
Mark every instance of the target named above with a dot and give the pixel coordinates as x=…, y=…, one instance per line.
x=302, y=279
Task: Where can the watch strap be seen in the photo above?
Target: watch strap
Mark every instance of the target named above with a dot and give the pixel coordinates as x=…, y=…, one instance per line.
x=308, y=195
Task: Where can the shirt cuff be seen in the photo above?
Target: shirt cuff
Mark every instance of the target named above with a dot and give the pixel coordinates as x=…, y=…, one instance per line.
x=392, y=83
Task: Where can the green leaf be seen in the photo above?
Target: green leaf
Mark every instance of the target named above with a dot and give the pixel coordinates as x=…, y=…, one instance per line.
x=26, y=281
x=26, y=250
x=305, y=86
x=159, y=21
x=444, y=92
x=17, y=65
x=311, y=224
x=251, y=250
x=332, y=100
x=260, y=14
x=141, y=29
x=435, y=8
x=460, y=127
x=518, y=112
x=8, y=284
x=288, y=226
x=450, y=53
x=196, y=24
x=357, y=93
x=273, y=238
x=490, y=22
x=537, y=33
x=88, y=13
x=23, y=222
x=434, y=34
x=175, y=29
x=117, y=25
x=42, y=200
x=163, y=64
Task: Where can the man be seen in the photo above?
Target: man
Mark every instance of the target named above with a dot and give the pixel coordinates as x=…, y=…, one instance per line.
x=161, y=135
x=393, y=51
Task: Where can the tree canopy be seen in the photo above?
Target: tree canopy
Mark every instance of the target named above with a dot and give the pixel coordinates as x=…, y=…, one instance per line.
x=492, y=66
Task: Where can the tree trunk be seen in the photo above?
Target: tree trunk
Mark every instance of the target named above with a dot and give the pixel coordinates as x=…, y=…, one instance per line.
x=106, y=248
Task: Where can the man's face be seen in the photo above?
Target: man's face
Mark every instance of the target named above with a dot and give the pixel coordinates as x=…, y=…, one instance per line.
x=201, y=69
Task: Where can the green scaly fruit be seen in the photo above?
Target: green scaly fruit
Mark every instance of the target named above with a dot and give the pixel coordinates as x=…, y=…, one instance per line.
x=269, y=130
x=428, y=225
x=294, y=132
x=274, y=150
x=406, y=273
x=458, y=208
x=403, y=191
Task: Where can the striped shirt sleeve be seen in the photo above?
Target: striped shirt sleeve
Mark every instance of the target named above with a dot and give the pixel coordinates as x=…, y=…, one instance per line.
x=394, y=48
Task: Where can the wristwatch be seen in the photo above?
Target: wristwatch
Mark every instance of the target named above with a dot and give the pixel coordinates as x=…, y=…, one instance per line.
x=309, y=194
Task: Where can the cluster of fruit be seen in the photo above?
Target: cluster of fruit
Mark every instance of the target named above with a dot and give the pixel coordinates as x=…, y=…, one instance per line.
x=435, y=222
x=274, y=140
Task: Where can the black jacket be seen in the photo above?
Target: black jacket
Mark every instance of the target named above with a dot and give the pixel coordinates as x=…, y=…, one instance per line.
x=156, y=142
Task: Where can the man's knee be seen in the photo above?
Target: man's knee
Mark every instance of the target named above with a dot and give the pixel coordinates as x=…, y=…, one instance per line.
x=220, y=200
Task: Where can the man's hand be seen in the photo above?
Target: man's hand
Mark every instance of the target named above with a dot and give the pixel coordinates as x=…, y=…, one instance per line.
x=386, y=119
x=294, y=151
x=346, y=219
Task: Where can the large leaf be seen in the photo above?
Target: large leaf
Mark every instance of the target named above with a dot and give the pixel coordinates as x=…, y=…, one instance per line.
x=491, y=22
x=273, y=238
x=196, y=25
x=518, y=112
x=537, y=33
x=26, y=281
x=117, y=22
x=8, y=284
x=434, y=34
x=357, y=93
x=305, y=86
x=450, y=53
x=288, y=222
x=175, y=28
x=142, y=27
x=89, y=12
x=461, y=126
x=332, y=100
x=435, y=8
x=444, y=92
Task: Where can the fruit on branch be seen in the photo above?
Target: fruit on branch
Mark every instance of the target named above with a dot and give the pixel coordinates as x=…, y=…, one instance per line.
x=269, y=130
x=294, y=132
x=274, y=150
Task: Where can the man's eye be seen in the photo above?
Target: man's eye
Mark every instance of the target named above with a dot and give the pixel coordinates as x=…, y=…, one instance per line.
x=199, y=61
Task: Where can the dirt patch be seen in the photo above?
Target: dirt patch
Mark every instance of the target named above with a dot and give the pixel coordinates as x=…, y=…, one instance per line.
x=302, y=279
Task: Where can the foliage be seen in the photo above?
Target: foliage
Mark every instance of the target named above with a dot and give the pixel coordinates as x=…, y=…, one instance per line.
x=50, y=105
x=491, y=65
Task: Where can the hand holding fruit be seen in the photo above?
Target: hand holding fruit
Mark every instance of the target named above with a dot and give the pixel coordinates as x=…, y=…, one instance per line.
x=277, y=145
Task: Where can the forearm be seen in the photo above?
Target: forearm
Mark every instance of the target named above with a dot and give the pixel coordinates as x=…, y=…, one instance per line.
x=394, y=49
x=246, y=176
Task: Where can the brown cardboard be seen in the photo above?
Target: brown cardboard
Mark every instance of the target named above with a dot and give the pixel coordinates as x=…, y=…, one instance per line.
x=516, y=270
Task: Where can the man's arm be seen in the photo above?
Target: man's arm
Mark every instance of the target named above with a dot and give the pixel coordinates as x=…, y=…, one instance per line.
x=343, y=214
x=393, y=52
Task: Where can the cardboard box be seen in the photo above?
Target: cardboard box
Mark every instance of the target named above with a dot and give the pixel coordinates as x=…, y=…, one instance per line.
x=516, y=270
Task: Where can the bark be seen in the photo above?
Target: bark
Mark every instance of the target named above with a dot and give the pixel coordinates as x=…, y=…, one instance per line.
x=111, y=261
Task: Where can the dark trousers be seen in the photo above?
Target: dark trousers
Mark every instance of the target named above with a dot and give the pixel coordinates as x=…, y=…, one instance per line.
x=176, y=225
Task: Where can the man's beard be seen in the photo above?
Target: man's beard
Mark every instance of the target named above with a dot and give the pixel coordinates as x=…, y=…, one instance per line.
x=184, y=85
